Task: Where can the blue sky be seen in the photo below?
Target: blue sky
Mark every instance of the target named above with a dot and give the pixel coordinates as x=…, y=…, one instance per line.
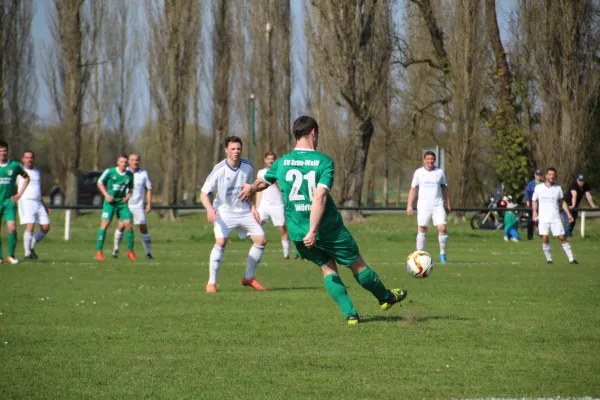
x=41, y=35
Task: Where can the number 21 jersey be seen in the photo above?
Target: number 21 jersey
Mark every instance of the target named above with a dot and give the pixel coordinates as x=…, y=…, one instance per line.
x=299, y=173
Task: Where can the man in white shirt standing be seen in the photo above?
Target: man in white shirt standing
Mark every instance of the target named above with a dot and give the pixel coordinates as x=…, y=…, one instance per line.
x=433, y=202
x=230, y=213
x=31, y=206
x=140, y=204
x=270, y=205
x=545, y=204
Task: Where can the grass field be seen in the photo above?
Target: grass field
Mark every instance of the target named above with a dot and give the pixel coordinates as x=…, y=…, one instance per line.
x=497, y=321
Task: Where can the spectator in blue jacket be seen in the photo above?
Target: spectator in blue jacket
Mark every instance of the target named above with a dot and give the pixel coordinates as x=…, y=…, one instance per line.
x=528, y=193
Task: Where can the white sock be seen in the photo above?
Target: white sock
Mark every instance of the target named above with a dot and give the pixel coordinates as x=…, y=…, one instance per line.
x=27, y=236
x=286, y=248
x=567, y=249
x=421, y=241
x=118, y=237
x=39, y=235
x=146, y=242
x=546, y=248
x=216, y=256
x=254, y=256
x=443, y=239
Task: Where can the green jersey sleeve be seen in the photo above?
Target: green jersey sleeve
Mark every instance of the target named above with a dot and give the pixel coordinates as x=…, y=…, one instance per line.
x=104, y=177
x=326, y=174
x=271, y=175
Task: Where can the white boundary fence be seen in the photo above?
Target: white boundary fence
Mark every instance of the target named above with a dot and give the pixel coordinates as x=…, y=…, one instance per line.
x=365, y=210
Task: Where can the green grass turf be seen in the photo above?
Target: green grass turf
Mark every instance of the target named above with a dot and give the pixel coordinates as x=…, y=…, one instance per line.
x=494, y=322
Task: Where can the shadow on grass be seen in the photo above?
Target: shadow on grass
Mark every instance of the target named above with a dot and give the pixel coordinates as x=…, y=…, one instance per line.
x=296, y=288
x=410, y=319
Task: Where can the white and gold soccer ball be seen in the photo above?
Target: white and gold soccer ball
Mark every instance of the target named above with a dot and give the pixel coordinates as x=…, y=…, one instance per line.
x=419, y=264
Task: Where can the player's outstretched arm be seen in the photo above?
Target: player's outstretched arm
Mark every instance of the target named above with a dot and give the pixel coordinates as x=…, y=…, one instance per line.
x=25, y=177
x=248, y=190
x=316, y=214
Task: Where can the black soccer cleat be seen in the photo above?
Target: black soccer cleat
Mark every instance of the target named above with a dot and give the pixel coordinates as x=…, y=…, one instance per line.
x=549, y=262
x=573, y=262
x=149, y=256
x=33, y=255
x=353, y=320
x=28, y=257
x=115, y=254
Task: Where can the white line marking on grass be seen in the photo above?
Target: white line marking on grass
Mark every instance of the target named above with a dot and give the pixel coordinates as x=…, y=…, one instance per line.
x=531, y=398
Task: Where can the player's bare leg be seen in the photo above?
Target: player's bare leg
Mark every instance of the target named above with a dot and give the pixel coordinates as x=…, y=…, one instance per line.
x=567, y=248
x=546, y=248
x=39, y=235
x=254, y=256
x=146, y=240
x=443, y=240
x=216, y=257
x=118, y=237
x=285, y=241
x=11, y=226
x=369, y=280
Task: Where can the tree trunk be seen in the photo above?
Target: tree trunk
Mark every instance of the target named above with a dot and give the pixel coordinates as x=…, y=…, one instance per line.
x=222, y=60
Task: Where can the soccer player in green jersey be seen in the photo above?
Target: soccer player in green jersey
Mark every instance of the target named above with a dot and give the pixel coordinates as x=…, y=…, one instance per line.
x=9, y=171
x=305, y=177
x=116, y=186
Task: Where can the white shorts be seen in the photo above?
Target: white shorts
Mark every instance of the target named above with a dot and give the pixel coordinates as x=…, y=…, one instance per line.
x=244, y=224
x=32, y=212
x=556, y=227
x=275, y=212
x=438, y=215
x=139, y=215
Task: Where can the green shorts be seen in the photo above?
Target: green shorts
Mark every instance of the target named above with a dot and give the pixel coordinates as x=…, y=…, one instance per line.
x=120, y=209
x=8, y=211
x=340, y=247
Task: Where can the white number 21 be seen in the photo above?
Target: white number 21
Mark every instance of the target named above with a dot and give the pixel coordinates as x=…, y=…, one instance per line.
x=297, y=177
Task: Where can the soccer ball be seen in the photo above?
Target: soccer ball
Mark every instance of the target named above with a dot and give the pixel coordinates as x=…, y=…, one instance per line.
x=419, y=264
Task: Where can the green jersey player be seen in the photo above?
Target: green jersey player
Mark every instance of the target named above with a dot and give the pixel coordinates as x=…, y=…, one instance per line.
x=305, y=177
x=9, y=171
x=116, y=186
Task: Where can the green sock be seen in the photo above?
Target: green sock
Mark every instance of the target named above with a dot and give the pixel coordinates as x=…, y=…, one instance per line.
x=368, y=279
x=337, y=291
x=100, y=239
x=12, y=243
x=129, y=240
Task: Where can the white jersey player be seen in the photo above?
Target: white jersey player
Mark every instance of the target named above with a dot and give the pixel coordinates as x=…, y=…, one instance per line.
x=31, y=207
x=140, y=204
x=545, y=204
x=433, y=202
x=270, y=205
x=229, y=213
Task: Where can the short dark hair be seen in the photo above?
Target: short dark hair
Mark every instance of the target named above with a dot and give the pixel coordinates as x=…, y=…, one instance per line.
x=3, y=145
x=29, y=151
x=429, y=153
x=232, y=139
x=551, y=169
x=270, y=153
x=122, y=155
x=304, y=125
